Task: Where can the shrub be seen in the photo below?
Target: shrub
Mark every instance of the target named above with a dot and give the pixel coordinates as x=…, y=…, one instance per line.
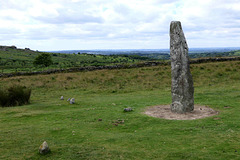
x=43, y=59
x=3, y=98
x=14, y=96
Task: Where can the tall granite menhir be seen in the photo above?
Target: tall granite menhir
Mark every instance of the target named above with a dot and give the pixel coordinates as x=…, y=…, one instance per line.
x=182, y=83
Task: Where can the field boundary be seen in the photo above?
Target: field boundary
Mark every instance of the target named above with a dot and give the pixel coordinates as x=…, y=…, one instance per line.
x=121, y=66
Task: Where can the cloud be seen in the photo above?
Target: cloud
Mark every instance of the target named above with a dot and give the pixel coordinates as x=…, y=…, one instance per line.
x=64, y=13
x=67, y=18
x=117, y=24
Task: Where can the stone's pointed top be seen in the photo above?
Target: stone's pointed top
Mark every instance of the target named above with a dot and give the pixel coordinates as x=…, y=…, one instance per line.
x=173, y=22
x=175, y=27
x=177, y=36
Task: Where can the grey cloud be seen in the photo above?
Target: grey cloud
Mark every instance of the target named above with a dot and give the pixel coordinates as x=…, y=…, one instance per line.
x=9, y=33
x=133, y=15
x=160, y=2
x=16, y=5
x=52, y=31
x=73, y=19
x=10, y=30
x=71, y=13
x=40, y=33
x=122, y=9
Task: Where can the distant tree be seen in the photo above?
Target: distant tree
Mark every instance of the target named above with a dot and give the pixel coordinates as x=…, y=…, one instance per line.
x=43, y=59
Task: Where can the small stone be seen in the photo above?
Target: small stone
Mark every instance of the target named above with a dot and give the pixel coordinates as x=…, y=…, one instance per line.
x=128, y=109
x=44, y=149
x=62, y=98
x=100, y=119
x=72, y=101
x=68, y=99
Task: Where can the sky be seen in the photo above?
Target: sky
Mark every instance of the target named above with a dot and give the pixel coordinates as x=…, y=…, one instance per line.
x=48, y=25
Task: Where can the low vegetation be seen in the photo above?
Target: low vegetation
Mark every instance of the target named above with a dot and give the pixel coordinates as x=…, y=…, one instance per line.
x=96, y=126
x=14, y=96
x=19, y=60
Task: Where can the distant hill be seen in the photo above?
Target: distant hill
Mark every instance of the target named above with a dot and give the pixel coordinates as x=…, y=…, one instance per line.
x=146, y=51
x=13, y=59
x=162, y=54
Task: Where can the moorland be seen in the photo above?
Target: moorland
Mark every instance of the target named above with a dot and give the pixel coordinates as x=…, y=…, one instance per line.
x=95, y=127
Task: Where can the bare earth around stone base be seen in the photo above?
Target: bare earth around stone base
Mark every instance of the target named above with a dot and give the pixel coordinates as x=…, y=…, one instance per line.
x=164, y=111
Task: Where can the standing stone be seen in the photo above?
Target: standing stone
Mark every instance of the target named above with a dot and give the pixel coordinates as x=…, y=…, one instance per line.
x=62, y=98
x=44, y=149
x=182, y=83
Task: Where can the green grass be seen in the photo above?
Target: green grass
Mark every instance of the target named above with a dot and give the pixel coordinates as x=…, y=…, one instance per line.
x=16, y=60
x=74, y=131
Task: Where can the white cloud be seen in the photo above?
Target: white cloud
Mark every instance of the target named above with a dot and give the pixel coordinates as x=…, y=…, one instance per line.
x=89, y=24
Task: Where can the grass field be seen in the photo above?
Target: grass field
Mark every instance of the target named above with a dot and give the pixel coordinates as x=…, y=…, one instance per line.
x=75, y=132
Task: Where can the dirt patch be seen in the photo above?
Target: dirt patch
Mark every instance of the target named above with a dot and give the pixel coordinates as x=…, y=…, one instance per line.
x=164, y=111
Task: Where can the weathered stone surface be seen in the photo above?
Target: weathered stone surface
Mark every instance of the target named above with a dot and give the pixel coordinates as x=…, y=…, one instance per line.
x=182, y=83
x=44, y=149
x=62, y=98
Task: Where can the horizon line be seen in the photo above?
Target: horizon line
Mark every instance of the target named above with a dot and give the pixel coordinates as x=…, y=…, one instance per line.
x=143, y=49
